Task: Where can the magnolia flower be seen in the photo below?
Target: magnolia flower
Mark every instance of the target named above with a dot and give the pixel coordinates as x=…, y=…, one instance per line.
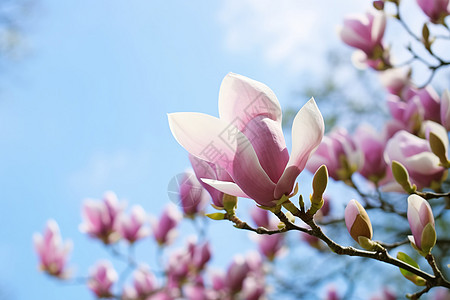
x=132, y=227
x=421, y=222
x=144, y=282
x=253, y=288
x=358, y=223
x=260, y=217
x=193, y=196
x=100, y=218
x=236, y=273
x=102, y=277
x=339, y=153
x=270, y=245
x=365, y=33
x=415, y=155
x=164, y=228
x=397, y=81
x=52, y=252
x=247, y=140
x=371, y=145
x=436, y=10
x=201, y=254
x=445, y=110
x=410, y=113
x=430, y=101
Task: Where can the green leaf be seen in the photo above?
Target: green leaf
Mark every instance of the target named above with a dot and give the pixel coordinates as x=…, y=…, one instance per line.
x=417, y=280
x=216, y=216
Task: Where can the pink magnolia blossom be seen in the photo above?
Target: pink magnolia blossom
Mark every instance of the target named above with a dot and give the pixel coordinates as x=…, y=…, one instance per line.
x=178, y=267
x=421, y=222
x=164, y=228
x=260, y=217
x=270, y=245
x=397, y=81
x=201, y=254
x=253, y=288
x=415, y=155
x=357, y=221
x=365, y=33
x=100, y=218
x=102, y=278
x=371, y=145
x=247, y=140
x=339, y=153
x=132, y=227
x=144, y=282
x=52, y=252
x=430, y=101
x=409, y=113
x=204, y=169
x=445, y=110
x=236, y=273
x=436, y=10
x=193, y=197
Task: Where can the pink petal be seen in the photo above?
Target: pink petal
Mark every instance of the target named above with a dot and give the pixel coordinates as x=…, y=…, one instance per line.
x=241, y=99
x=307, y=132
x=445, y=109
x=378, y=27
x=267, y=139
x=221, y=143
x=351, y=212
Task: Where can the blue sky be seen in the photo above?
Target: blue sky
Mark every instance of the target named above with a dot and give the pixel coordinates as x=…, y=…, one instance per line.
x=85, y=110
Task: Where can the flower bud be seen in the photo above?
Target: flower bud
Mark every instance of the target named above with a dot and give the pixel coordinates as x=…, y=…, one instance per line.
x=52, y=252
x=378, y=5
x=164, y=228
x=100, y=218
x=236, y=274
x=421, y=222
x=436, y=10
x=193, y=196
x=132, y=227
x=358, y=223
x=415, y=155
x=102, y=278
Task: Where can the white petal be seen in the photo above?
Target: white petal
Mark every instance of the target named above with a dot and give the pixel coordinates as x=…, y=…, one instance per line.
x=242, y=98
x=226, y=187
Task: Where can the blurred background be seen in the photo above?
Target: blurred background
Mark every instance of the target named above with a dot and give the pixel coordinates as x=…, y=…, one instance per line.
x=85, y=87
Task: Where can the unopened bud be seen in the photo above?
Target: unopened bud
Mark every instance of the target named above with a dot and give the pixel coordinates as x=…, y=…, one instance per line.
x=319, y=185
x=426, y=36
x=378, y=5
x=320, y=182
x=358, y=224
x=229, y=203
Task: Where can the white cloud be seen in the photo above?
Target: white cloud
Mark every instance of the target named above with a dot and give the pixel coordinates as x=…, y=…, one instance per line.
x=293, y=33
